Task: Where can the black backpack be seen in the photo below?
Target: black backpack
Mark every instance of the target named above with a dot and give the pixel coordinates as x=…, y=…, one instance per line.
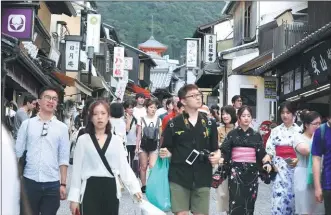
x=150, y=136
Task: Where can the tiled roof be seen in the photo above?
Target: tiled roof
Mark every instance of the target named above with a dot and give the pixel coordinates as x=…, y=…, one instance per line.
x=160, y=78
x=152, y=43
x=305, y=42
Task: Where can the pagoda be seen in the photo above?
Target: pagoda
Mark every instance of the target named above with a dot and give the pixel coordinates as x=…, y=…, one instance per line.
x=152, y=46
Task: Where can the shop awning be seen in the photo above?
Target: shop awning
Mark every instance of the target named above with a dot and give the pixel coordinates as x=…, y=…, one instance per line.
x=210, y=76
x=72, y=82
x=137, y=89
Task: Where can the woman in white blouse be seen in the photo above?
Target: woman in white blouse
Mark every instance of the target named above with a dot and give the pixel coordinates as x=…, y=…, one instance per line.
x=99, y=163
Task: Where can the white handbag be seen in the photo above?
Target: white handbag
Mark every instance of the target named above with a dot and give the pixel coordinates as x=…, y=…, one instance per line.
x=148, y=209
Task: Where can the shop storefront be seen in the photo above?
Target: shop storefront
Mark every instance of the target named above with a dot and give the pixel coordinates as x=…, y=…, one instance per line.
x=304, y=72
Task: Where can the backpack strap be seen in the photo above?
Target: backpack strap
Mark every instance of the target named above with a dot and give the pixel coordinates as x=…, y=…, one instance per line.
x=143, y=120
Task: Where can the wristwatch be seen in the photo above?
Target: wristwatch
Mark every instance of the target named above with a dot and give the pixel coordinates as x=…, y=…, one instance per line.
x=63, y=185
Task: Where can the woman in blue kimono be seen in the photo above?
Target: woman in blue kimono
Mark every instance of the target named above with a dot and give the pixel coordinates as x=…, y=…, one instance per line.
x=280, y=148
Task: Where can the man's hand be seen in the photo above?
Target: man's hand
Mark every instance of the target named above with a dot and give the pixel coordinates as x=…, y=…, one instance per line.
x=319, y=195
x=215, y=157
x=63, y=192
x=164, y=153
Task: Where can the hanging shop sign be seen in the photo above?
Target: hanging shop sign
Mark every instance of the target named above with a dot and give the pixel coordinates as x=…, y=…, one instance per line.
x=270, y=89
x=120, y=89
x=72, y=55
x=107, y=60
x=128, y=63
x=18, y=22
x=318, y=60
x=210, y=48
x=191, y=53
x=93, y=31
x=54, y=55
x=118, y=65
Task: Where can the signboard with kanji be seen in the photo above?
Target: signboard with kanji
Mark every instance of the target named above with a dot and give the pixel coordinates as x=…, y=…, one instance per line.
x=118, y=65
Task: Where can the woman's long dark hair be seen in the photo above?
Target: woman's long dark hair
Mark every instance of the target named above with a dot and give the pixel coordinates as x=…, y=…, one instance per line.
x=90, y=126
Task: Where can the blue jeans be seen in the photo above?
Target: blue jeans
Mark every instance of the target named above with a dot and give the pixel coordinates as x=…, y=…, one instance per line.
x=43, y=197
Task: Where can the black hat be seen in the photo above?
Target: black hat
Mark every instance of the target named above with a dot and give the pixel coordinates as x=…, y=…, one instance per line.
x=140, y=95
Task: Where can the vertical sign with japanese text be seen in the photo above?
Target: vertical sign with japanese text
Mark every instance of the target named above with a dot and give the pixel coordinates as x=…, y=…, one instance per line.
x=93, y=31
x=210, y=48
x=118, y=65
x=191, y=53
x=107, y=61
x=72, y=55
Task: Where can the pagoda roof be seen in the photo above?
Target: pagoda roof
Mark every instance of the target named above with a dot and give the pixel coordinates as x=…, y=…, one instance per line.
x=152, y=43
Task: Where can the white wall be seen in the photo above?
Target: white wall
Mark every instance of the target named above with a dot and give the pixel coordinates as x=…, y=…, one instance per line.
x=238, y=61
x=224, y=30
x=235, y=82
x=270, y=9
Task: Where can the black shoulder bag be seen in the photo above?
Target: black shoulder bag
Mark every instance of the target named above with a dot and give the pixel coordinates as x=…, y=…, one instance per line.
x=101, y=154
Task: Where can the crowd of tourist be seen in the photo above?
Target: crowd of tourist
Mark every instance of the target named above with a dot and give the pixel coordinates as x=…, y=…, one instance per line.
x=114, y=145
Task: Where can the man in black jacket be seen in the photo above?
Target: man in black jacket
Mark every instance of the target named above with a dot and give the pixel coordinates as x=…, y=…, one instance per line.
x=190, y=139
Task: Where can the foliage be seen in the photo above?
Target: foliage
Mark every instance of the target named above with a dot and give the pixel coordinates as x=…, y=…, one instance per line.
x=173, y=21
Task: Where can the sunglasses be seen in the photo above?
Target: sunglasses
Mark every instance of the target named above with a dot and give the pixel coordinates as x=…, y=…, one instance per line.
x=44, y=132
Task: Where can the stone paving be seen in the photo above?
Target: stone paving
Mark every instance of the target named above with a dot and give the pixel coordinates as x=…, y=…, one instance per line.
x=127, y=207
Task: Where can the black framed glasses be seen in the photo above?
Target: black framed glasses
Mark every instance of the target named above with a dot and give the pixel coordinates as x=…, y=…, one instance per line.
x=44, y=132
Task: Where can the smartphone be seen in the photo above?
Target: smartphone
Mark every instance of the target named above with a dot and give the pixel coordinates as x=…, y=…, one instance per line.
x=77, y=212
x=288, y=160
x=192, y=157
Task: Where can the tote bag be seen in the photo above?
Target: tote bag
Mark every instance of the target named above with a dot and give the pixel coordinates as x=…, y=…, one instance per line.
x=157, y=188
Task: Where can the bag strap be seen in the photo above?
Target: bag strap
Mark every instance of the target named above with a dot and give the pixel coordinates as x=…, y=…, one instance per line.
x=102, y=155
x=143, y=120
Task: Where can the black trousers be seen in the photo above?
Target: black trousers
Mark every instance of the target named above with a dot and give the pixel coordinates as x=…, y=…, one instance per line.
x=100, y=197
x=327, y=201
x=131, y=150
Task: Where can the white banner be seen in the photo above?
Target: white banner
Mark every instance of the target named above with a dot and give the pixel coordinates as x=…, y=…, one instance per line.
x=54, y=54
x=210, y=48
x=191, y=53
x=120, y=89
x=118, y=66
x=72, y=55
x=128, y=63
x=93, y=31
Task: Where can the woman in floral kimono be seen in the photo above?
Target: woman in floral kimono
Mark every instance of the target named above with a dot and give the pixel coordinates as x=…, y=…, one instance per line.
x=280, y=148
x=244, y=155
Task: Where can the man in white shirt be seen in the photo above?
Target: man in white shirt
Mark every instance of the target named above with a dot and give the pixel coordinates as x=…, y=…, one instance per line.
x=140, y=110
x=163, y=109
x=46, y=141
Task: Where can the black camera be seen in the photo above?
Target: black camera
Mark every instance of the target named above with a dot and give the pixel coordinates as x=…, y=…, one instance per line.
x=204, y=155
